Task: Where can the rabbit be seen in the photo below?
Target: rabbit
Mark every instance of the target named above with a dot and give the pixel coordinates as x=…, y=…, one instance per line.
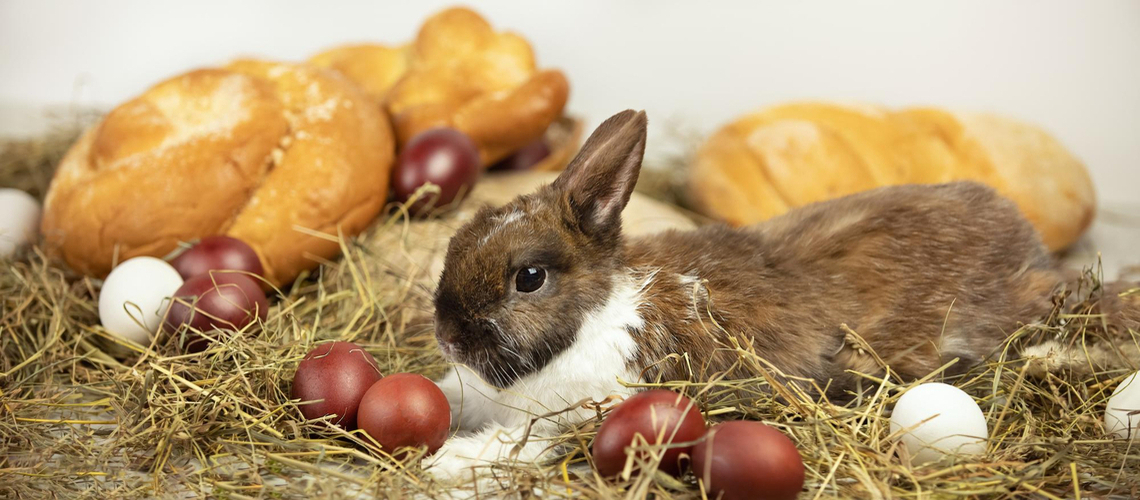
x=543, y=305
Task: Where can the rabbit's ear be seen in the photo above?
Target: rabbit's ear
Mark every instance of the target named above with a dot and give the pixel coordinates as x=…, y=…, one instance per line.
x=598, y=182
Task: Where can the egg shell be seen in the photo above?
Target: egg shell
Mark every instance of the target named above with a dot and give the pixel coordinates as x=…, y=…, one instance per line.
x=336, y=374
x=940, y=421
x=217, y=253
x=745, y=460
x=442, y=156
x=1122, y=416
x=135, y=297
x=216, y=300
x=659, y=417
x=19, y=220
x=405, y=410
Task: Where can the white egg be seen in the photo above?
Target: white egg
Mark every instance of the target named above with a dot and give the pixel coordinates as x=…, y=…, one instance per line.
x=19, y=218
x=135, y=297
x=1122, y=417
x=939, y=420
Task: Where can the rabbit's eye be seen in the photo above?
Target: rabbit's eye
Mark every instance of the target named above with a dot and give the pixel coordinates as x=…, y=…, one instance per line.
x=530, y=279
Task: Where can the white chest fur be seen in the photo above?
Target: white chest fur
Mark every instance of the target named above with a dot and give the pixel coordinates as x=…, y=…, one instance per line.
x=589, y=369
x=492, y=422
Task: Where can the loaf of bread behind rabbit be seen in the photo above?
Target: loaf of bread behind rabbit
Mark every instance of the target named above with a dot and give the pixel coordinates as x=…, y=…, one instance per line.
x=544, y=303
x=782, y=157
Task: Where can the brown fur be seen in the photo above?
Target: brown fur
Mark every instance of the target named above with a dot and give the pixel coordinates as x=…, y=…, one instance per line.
x=921, y=274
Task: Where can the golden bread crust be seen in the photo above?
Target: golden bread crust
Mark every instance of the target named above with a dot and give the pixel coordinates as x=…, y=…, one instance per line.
x=1053, y=188
x=769, y=162
x=264, y=152
x=459, y=72
x=374, y=67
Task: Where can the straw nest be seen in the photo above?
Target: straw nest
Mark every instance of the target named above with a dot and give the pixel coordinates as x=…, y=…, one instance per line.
x=83, y=415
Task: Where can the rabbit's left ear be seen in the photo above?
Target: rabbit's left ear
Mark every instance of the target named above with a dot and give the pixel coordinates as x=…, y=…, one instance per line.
x=598, y=182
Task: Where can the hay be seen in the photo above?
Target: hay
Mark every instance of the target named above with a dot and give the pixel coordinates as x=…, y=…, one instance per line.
x=84, y=416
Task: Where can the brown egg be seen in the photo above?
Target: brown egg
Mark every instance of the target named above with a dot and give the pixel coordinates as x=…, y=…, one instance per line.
x=442, y=156
x=525, y=158
x=660, y=417
x=748, y=460
x=337, y=375
x=217, y=253
x=217, y=300
x=405, y=410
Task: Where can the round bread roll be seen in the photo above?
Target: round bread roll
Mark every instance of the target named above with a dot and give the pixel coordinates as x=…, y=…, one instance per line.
x=459, y=73
x=767, y=163
x=284, y=157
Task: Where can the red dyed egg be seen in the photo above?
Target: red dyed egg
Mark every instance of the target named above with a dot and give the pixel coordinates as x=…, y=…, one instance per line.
x=660, y=417
x=442, y=156
x=215, y=300
x=336, y=374
x=525, y=158
x=748, y=460
x=217, y=253
x=405, y=410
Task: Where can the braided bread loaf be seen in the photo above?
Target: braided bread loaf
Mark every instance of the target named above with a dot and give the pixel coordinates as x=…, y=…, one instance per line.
x=458, y=73
x=767, y=163
x=284, y=157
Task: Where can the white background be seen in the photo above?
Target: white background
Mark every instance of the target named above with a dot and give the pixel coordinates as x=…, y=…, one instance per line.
x=1071, y=67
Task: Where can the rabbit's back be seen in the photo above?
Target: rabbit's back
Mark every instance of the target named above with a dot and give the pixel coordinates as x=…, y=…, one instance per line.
x=924, y=274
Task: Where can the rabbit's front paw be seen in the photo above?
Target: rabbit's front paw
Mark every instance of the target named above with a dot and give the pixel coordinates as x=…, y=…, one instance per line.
x=457, y=460
x=471, y=400
x=464, y=458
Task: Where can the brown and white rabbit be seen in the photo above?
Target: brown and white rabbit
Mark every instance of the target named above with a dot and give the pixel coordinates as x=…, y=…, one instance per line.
x=542, y=302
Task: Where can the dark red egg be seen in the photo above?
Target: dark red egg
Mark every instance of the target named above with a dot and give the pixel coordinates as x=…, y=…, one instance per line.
x=217, y=300
x=660, y=417
x=337, y=375
x=442, y=156
x=748, y=460
x=217, y=253
x=525, y=158
x=405, y=410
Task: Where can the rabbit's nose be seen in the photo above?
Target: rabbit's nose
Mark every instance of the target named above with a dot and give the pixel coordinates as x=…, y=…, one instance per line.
x=446, y=333
x=449, y=337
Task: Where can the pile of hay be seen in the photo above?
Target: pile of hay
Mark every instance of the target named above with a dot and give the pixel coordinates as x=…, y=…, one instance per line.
x=85, y=416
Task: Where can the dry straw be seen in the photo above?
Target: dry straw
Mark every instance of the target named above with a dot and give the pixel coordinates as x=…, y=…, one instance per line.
x=83, y=415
